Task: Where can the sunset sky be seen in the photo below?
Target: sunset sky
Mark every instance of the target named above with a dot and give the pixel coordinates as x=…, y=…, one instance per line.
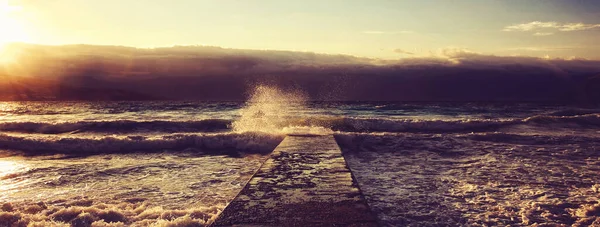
x=374, y=28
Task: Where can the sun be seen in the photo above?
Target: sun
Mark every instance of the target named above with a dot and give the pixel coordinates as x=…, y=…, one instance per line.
x=11, y=29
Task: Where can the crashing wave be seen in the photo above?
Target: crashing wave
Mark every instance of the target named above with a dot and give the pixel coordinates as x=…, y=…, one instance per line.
x=208, y=125
x=279, y=125
x=582, y=120
x=219, y=143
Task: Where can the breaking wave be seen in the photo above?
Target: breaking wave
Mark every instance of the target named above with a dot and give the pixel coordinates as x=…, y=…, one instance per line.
x=409, y=125
x=342, y=124
x=219, y=143
x=208, y=125
x=349, y=124
x=467, y=125
x=583, y=120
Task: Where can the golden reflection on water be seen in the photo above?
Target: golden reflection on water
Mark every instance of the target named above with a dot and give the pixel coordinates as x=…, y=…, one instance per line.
x=7, y=169
x=4, y=107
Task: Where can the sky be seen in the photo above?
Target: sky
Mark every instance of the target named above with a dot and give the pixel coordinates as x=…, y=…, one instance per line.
x=387, y=29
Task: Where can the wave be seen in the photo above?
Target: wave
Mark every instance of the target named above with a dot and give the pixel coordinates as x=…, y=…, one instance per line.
x=462, y=125
x=218, y=143
x=378, y=124
x=208, y=125
x=387, y=125
x=572, y=112
x=341, y=124
x=582, y=120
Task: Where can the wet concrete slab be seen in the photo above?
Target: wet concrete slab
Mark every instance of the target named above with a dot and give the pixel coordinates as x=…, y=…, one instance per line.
x=305, y=182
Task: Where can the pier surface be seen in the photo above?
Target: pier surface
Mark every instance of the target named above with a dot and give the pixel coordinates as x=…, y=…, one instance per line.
x=305, y=182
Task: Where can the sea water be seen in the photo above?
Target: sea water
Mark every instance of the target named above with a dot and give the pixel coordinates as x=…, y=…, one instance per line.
x=180, y=162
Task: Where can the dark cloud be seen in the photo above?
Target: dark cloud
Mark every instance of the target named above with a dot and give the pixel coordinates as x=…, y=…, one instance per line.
x=211, y=73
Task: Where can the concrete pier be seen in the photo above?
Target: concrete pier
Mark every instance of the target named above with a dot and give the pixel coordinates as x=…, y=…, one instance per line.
x=305, y=182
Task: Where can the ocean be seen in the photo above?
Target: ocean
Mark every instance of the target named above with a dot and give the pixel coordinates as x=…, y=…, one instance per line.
x=179, y=163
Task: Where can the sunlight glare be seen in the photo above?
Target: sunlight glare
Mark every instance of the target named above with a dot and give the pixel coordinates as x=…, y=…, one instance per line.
x=9, y=167
x=12, y=29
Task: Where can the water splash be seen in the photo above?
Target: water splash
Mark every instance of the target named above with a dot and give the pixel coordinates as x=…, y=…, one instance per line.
x=276, y=111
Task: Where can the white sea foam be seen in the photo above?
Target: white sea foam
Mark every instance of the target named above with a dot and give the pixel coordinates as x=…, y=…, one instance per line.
x=280, y=117
x=251, y=142
x=481, y=179
x=117, y=126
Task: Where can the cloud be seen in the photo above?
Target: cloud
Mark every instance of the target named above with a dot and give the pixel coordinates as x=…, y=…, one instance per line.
x=545, y=28
x=556, y=48
x=83, y=72
x=578, y=27
x=374, y=32
x=456, y=52
x=530, y=26
x=400, y=51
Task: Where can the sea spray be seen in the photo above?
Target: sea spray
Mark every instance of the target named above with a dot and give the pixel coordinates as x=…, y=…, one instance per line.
x=275, y=111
